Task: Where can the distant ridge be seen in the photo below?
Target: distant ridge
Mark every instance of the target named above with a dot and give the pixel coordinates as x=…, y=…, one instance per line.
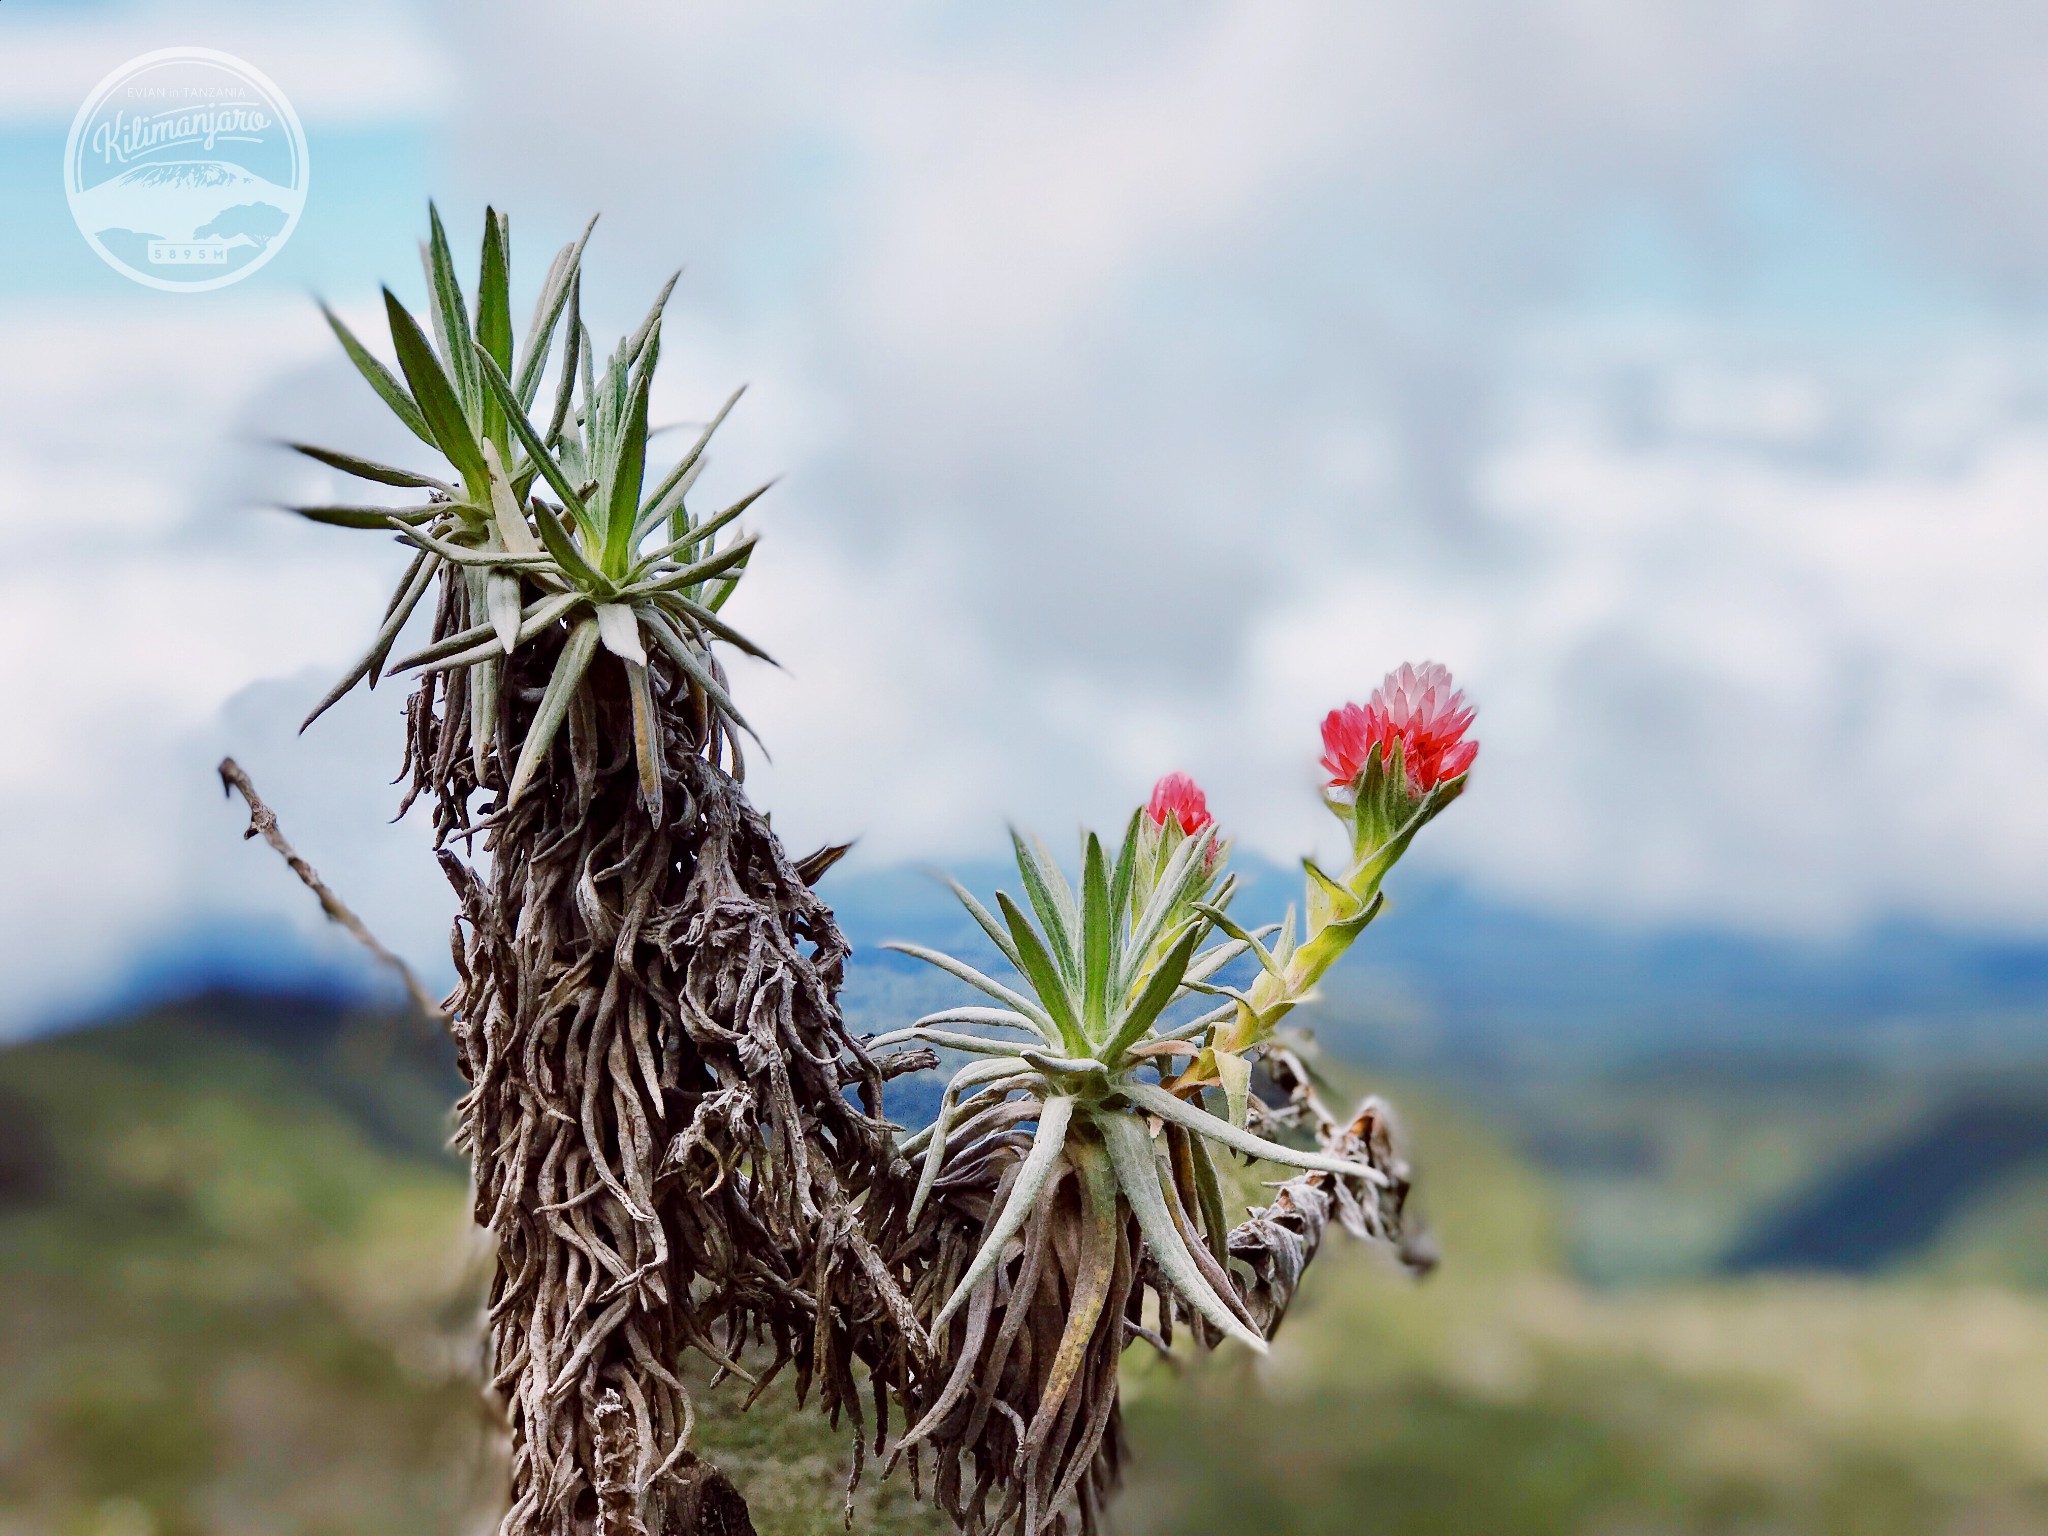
x=1893, y=1203
x=1453, y=982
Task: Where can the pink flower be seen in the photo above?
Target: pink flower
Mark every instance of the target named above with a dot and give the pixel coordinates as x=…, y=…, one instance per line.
x=1416, y=706
x=1181, y=798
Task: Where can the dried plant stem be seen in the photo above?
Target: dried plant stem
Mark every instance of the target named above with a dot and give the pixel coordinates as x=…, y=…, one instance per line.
x=263, y=824
x=664, y=1150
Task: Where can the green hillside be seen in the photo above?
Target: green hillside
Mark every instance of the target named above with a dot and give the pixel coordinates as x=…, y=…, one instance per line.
x=237, y=1294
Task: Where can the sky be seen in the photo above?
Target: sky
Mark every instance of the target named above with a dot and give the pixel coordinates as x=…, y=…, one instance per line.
x=1143, y=380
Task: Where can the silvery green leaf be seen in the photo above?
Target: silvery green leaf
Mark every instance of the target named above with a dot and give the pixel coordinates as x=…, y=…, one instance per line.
x=722, y=594
x=1157, y=1101
x=995, y=989
x=703, y=570
x=505, y=514
x=370, y=469
x=420, y=576
x=655, y=512
x=648, y=330
x=450, y=315
x=565, y=385
x=1160, y=990
x=620, y=632
x=547, y=314
x=501, y=594
x=381, y=379
x=677, y=482
x=554, y=704
x=531, y=623
x=623, y=508
x=1043, y=973
x=1046, y=1145
x=1000, y=1018
x=494, y=317
x=1041, y=875
x=1098, y=924
x=551, y=471
x=692, y=614
x=446, y=422
x=680, y=652
x=561, y=544
x=465, y=554
x=1137, y=1171
x=998, y=934
x=952, y=1040
x=366, y=517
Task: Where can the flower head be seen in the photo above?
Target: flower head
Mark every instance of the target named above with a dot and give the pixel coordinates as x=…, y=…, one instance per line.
x=1180, y=798
x=1420, y=708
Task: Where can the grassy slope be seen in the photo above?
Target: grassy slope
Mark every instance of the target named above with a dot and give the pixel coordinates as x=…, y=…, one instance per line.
x=236, y=1295
x=1501, y=1396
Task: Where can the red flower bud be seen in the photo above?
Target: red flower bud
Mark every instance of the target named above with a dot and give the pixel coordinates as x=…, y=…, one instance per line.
x=1181, y=798
x=1416, y=706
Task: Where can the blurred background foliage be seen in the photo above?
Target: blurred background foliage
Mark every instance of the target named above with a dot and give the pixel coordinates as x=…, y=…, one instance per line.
x=238, y=1293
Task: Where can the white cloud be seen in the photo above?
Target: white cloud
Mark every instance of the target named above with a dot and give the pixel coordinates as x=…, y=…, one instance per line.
x=361, y=64
x=1147, y=381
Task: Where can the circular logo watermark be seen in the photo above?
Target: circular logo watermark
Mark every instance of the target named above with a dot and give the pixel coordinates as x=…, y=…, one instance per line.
x=186, y=169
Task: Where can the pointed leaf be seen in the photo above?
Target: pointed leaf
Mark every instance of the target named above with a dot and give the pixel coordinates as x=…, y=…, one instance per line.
x=494, y=318
x=446, y=423
x=1159, y=991
x=691, y=612
x=1042, y=973
x=505, y=514
x=1137, y=1170
x=1041, y=874
x=1037, y=1169
x=451, y=317
x=623, y=510
x=364, y=517
x=620, y=631
x=995, y=989
x=703, y=570
x=565, y=384
x=684, y=656
x=998, y=934
x=551, y=471
x=547, y=314
x=1097, y=923
x=688, y=465
x=420, y=576
x=381, y=379
x=501, y=591
x=1158, y=1101
x=554, y=704
x=370, y=469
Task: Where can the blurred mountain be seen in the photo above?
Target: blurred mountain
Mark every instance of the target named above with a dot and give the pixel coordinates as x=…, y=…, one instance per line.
x=1450, y=981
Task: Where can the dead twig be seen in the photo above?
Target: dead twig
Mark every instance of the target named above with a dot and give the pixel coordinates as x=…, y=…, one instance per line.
x=263, y=823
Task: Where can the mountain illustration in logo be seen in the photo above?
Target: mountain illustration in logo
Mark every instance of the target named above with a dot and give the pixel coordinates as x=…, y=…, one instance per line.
x=187, y=200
